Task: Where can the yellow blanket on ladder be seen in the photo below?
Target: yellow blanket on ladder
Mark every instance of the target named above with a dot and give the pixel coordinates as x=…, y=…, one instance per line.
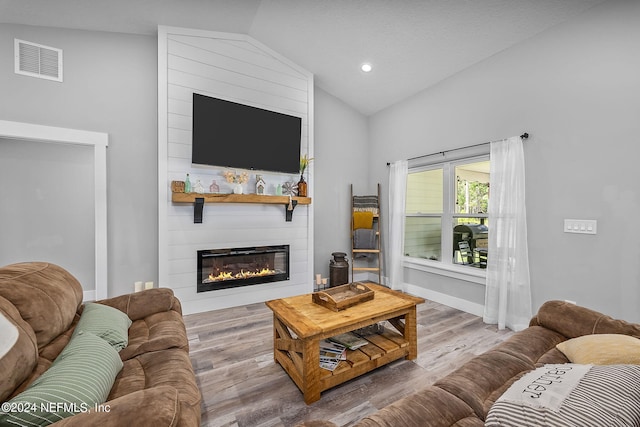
x=362, y=220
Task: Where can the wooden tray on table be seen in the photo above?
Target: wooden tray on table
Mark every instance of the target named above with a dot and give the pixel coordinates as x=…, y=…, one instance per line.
x=344, y=296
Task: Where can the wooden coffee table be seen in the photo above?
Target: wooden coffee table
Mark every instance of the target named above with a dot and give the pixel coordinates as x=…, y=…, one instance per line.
x=299, y=325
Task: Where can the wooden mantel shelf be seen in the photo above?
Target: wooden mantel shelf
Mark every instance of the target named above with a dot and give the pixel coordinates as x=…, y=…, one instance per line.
x=198, y=201
x=237, y=198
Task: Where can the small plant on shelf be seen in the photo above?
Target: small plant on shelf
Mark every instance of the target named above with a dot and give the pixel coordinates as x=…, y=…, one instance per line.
x=236, y=178
x=304, y=162
x=302, y=184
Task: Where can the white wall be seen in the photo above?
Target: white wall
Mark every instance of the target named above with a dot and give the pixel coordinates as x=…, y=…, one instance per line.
x=575, y=89
x=239, y=69
x=110, y=85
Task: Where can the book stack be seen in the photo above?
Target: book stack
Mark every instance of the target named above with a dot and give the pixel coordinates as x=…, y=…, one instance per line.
x=331, y=354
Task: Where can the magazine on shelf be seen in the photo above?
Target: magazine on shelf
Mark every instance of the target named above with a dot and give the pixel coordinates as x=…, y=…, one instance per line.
x=331, y=354
x=332, y=349
x=349, y=340
x=329, y=364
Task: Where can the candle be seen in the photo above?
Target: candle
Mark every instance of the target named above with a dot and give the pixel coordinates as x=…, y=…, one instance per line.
x=138, y=286
x=148, y=285
x=318, y=278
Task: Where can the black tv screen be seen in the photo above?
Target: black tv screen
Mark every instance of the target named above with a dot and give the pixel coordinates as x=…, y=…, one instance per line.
x=239, y=136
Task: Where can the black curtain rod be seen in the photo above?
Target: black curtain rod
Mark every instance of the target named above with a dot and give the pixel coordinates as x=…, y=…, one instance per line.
x=523, y=136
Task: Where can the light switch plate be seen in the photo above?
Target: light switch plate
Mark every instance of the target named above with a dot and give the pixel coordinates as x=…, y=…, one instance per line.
x=581, y=226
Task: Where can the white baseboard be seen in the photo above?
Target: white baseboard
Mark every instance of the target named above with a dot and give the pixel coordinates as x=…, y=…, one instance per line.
x=448, y=300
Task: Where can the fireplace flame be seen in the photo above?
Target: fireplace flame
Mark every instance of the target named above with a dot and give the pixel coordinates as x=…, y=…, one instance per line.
x=227, y=275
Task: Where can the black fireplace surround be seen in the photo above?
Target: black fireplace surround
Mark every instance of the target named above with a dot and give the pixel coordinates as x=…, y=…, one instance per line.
x=234, y=267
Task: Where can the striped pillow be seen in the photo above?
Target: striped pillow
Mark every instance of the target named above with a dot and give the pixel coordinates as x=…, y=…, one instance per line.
x=606, y=395
x=108, y=323
x=80, y=378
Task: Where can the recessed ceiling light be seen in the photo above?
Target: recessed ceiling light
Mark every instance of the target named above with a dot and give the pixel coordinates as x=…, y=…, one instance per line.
x=366, y=67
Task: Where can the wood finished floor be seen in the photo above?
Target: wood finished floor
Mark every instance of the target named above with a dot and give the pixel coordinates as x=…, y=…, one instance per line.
x=232, y=355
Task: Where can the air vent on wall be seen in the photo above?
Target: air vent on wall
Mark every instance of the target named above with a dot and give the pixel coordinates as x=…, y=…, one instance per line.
x=36, y=60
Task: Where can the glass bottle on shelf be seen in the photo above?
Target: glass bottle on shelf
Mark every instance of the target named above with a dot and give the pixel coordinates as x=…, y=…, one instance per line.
x=302, y=186
x=214, y=188
x=187, y=185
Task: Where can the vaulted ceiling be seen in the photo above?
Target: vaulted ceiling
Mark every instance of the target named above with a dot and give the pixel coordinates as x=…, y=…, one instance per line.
x=411, y=44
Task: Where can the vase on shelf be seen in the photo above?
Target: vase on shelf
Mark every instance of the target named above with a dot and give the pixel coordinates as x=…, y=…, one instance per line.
x=302, y=186
x=214, y=187
x=237, y=188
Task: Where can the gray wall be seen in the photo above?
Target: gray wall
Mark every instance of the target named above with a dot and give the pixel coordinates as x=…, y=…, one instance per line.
x=40, y=219
x=575, y=89
x=110, y=85
x=340, y=159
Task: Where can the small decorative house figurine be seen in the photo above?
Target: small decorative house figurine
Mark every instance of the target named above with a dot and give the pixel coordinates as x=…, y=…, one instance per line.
x=198, y=188
x=260, y=184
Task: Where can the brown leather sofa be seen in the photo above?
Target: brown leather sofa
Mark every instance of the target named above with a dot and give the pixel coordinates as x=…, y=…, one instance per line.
x=464, y=397
x=156, y=385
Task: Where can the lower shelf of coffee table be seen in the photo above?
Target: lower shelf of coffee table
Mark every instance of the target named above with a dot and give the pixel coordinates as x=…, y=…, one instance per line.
x=381, y=349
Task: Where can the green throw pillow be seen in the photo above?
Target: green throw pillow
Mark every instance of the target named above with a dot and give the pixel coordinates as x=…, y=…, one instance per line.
x=108, y=323
x=79, y=379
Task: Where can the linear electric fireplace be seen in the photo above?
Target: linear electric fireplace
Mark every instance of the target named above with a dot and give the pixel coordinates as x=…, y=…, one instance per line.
x=230, y=268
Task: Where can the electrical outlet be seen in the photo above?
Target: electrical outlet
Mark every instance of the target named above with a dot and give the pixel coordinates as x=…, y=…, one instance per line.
x=582, y=226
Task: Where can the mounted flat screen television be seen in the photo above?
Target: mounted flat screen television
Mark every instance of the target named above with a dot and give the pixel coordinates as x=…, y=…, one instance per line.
x=239, y=136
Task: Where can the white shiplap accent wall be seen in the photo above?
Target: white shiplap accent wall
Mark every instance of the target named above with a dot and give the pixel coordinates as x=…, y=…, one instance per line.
x=237, y=68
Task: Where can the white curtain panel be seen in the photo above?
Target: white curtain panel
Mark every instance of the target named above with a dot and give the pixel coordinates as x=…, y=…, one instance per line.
x=397, y=197
x=508, y=291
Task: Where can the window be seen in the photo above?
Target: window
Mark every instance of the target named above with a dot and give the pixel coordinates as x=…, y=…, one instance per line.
x=446, y=212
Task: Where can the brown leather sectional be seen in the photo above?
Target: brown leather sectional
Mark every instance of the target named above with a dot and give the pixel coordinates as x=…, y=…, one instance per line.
x=156, y=385
x=464, y=397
